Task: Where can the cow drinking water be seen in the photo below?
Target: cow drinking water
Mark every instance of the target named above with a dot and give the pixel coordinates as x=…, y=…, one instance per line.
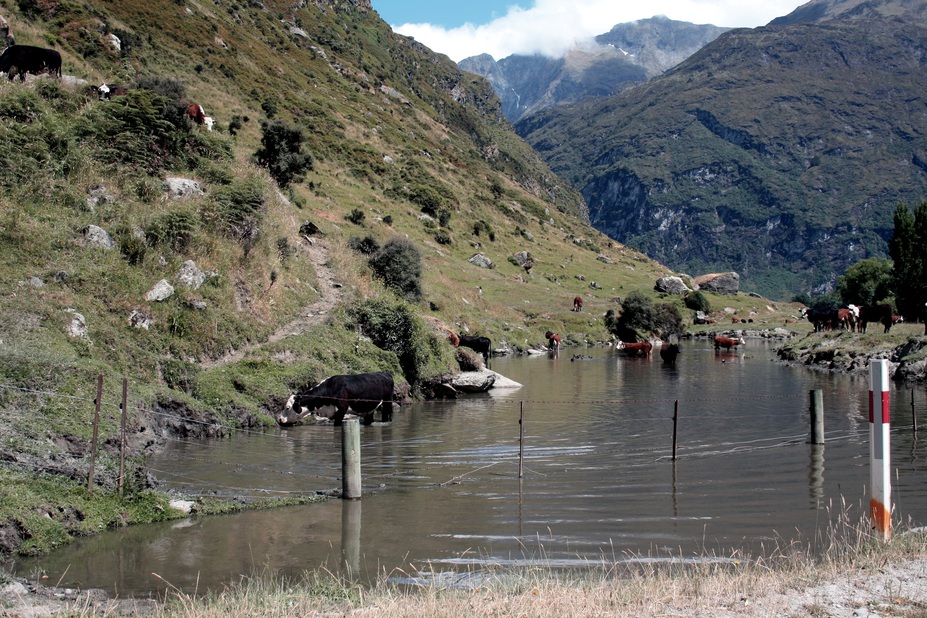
x=362, y=393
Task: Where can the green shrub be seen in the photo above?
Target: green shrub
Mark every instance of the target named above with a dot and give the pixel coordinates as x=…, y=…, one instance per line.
x=173, y=230
x=697, y=302
x=397, y=327
x=281, y=152
x=399, y=265
x=367, y=245
x=235, y=210
x=356, y=216
x=442, y=237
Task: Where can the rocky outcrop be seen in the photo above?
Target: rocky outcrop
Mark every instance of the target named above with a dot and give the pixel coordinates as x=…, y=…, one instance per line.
x=719, y=283
x=671, y=285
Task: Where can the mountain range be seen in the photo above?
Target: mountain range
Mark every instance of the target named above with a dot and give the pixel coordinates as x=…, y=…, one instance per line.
x=626, y=56
x=780, y=152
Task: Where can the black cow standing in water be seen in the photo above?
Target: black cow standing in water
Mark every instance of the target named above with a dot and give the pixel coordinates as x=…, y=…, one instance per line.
x=22, y=59
x=362, y=393
x=482, y=345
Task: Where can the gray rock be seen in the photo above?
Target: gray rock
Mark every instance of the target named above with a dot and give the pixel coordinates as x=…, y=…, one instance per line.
x=162, y=290
x=99, y=195
x=719, y=283
x=139, y=318
x=522, y=257
x=36, y=282
x=98, y=238
x=671, y=285
x=481, y=260
x=190, y=275
x=182, y=188
x=474, y=381
x=78, y=326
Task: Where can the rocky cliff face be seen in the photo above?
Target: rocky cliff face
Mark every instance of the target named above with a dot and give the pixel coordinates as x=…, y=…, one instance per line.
x=627, y=55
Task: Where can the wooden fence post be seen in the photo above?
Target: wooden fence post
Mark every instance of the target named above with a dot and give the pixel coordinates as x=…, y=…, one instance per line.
x=350, y=460
x=675, y=425
x=122, y=435
x=96, y=431
x=817, y=416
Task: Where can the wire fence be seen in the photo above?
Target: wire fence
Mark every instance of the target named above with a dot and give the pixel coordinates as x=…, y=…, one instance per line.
x=110, y=411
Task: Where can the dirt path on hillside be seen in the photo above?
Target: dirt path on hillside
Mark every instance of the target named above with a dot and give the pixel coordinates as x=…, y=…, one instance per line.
x=309, y=316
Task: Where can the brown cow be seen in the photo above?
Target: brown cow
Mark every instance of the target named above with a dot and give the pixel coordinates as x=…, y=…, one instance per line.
x=577, y=304
x=635, y=349
x=727, y=342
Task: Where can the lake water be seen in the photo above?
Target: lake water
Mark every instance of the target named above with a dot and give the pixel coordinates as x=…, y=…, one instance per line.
x=443, y=493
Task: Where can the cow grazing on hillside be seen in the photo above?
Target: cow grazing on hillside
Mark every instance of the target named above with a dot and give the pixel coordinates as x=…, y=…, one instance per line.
x=22, y=59
x=875, y=313
x=108, y=91
x=642, y=348
x=363, y=393
x=728, y=342
x=577, y=304
x=197, y=114
x=453, y=339
x=821, y=319
x=481, y=345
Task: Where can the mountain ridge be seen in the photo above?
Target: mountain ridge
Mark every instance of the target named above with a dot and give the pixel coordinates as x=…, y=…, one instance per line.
x=780, y=152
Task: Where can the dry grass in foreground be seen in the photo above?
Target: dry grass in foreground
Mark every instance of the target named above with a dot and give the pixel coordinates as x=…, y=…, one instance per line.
x=854, y=572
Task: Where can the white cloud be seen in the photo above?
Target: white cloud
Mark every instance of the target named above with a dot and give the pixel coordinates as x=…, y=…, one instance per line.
x=551, y=27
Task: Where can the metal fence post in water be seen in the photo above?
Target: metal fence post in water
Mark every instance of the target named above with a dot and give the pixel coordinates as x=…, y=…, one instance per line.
x=880, y=505
x=350, y=460
x=521, y=439
x=817, y=416
x=96, y=431
x=675, y=423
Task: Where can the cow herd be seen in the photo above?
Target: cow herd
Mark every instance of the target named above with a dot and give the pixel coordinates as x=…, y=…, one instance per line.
x=20, y=60
x=851, y=318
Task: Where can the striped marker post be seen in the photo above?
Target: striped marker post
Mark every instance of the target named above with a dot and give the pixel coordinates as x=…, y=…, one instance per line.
x=880, y=502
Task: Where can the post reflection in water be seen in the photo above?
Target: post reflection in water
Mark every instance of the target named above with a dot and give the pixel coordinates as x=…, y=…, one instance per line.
x=442, y=489
x=351, y=537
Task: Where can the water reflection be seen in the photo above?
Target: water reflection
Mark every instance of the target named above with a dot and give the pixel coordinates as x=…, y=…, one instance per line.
x=443, y=487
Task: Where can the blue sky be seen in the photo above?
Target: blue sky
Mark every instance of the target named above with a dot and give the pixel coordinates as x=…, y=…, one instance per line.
x=550, y=27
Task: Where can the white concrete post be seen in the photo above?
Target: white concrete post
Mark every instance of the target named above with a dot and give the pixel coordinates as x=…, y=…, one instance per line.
x=880, y=502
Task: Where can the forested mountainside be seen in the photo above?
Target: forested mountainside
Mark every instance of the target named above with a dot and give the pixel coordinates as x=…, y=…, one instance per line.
x=625, y=56
x=779, y=152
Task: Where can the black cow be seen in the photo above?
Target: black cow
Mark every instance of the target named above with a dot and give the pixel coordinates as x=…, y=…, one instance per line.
x=669, y=352
x=24, y=59
x=821, y=319
x=482, y=345
x=363, y=393
x=875, y=313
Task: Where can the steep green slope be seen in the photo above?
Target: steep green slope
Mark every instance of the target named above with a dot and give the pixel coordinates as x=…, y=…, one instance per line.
x=778, y=152
x=276, y=296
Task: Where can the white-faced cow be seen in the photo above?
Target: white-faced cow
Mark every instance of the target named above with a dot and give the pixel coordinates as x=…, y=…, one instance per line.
x=728, y=342
x=22, y=59
x=362, y=393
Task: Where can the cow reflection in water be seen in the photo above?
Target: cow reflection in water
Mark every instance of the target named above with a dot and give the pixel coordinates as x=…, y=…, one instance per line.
x=362, y=393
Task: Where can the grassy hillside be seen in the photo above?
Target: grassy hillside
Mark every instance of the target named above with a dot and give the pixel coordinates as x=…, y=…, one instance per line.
x=391, y=130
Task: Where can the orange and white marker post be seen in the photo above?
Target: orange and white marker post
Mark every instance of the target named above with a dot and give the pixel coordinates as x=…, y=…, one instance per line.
x=880, y=502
